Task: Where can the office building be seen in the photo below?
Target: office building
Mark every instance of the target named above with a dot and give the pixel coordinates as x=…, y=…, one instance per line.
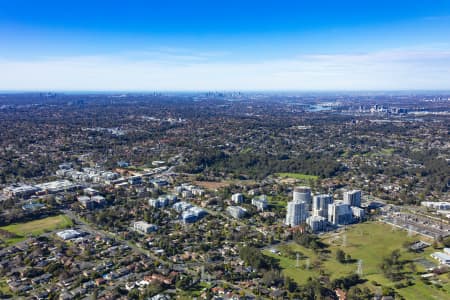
x=186, y=194
x=182, y=206
x=144, y=227
x=198, y=192
x=22, y=191
x=163, y=201
x=160, y=202
x=193, y=214
x=86, y=202
x=236, y=212
x=436, y=205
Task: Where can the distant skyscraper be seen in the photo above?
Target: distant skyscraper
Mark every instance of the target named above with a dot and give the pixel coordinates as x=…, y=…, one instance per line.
x=296, y=213
x=320, y=205
x=353, y=198
x=303, y=194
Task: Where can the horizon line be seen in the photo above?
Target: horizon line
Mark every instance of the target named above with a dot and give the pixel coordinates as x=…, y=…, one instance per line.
x=144, y=91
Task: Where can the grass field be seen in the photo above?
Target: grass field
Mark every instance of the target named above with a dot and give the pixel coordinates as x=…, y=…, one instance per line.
x=299, y=176
x=369, y=242
x=36, y=228
x=4, y=287
x=277, y=201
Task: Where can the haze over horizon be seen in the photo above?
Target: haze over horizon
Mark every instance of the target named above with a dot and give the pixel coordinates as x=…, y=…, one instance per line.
x=226, y=45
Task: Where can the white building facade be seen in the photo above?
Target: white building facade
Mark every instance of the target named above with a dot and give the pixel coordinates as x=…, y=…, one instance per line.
x=353, y=198
x=237, y=198
x=303, y=194
x=340, y=213
x=320, y=205
x=296, y=213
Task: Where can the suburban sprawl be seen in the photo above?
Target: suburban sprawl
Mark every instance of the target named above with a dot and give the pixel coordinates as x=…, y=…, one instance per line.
x=225, y=196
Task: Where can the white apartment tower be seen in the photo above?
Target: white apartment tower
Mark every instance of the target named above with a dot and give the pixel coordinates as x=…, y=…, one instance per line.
x=303, y=194
x=296, y=213
x=353, y=198
x=317, y=223
x=340, y=213
x=320, y=205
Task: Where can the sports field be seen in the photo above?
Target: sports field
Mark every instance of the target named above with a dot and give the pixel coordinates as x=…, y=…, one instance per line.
x=21, y=231
x=299, y=176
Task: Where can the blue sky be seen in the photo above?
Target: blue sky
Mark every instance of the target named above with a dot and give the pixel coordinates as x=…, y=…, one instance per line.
x=224, y=45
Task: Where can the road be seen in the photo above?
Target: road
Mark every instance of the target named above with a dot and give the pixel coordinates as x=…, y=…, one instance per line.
x=90, y=228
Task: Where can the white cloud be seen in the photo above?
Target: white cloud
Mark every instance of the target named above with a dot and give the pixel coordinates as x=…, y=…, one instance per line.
x=184, y=70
